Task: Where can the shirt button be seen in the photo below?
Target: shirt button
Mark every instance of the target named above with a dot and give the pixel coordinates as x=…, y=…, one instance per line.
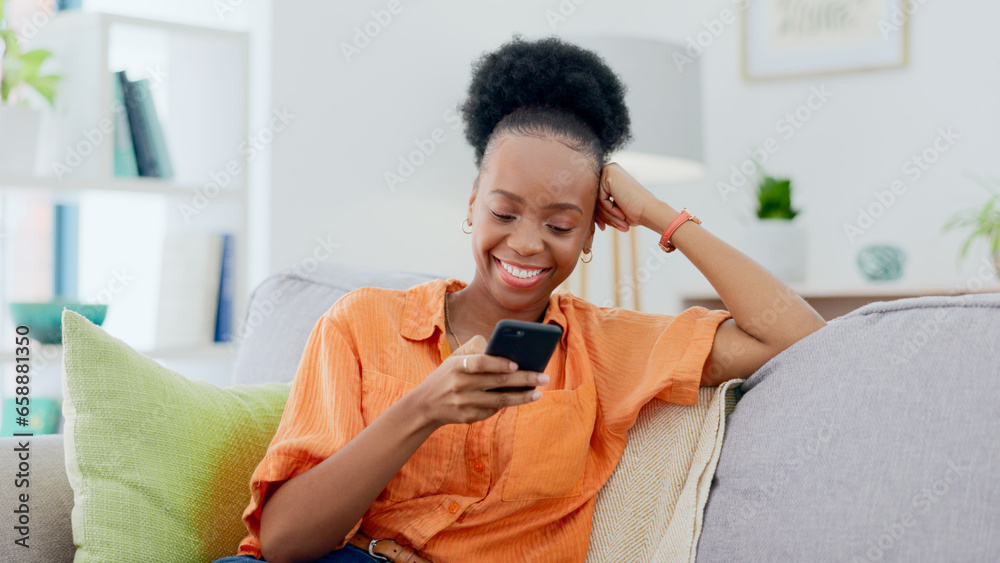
x=453, y=508
x=478, y=465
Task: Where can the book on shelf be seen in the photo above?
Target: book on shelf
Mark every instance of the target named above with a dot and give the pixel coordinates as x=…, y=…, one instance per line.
x=224, y=312
x=65, y=252
x=125, y=164
x=151, y=154
x=195, y=300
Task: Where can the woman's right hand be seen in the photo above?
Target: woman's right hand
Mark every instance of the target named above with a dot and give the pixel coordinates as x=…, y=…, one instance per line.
x=452, y=394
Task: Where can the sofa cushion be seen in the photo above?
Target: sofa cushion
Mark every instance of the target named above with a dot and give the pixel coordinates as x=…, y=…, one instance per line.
x=48, y=533
x=159, y=464
x=871, y=439
x=284, y=308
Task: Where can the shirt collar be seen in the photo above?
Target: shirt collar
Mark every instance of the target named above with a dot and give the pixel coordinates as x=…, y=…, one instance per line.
x=425, y=309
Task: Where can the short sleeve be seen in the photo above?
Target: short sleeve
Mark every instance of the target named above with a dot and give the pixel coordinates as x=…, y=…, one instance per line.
x=323, y=413
x=642, y=355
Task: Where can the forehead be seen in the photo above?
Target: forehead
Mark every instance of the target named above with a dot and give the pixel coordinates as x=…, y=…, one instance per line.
x=540, y=169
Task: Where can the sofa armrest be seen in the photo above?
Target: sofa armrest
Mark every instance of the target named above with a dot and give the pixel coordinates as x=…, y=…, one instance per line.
x=49, y=500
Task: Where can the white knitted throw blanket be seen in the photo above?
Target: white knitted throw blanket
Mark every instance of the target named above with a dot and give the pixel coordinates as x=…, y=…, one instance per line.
x=651, y=508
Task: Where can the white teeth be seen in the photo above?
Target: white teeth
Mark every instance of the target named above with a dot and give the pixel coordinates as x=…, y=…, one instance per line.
x=517, y=272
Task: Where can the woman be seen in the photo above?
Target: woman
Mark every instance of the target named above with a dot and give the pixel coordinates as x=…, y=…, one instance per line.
x=387, y=430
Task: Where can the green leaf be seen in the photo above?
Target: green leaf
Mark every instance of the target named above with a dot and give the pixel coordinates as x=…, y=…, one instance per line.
x=22, y=68
x=46, y=86
x=951, y=223
x=5, y=87
x=965, y=247
x=12, y=49
x=32, y=61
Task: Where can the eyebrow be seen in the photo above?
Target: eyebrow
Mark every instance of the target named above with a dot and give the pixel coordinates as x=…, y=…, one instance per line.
x=519, y=199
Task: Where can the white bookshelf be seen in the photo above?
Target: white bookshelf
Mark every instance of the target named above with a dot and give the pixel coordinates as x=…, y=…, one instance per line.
x=199, y=83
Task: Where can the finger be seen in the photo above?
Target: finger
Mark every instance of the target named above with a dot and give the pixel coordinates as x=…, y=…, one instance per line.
x=607, y=205
x=603, y=193
x=477, y=344
x=486, y=364
x=497, y=401
x=615, y=222
x=613, y=209
x=519, y=378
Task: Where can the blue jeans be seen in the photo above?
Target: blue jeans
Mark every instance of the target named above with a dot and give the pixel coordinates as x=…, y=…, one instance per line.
x=348, y=554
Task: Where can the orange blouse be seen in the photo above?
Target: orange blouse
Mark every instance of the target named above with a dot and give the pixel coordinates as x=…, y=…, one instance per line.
x=518, y=486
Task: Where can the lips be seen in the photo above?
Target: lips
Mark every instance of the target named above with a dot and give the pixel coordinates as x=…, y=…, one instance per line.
x=520, y=283
x=521, y=266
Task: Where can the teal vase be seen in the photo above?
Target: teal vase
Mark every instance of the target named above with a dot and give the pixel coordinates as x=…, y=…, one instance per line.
x=881, y=263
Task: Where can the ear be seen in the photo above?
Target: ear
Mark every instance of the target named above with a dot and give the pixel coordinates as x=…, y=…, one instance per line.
x=589, y=243
x=472, y=198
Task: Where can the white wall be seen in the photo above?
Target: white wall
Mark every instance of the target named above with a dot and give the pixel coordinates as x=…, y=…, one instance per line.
x=354, y=120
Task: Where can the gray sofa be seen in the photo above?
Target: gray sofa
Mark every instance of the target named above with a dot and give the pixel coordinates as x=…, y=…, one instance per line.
x=876, y=438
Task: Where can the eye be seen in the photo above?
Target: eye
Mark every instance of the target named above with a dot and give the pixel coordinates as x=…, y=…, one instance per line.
x=501, y=217
x=559, y=229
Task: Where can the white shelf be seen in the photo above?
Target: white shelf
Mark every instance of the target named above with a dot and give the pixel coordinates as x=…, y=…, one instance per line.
x=135, y=185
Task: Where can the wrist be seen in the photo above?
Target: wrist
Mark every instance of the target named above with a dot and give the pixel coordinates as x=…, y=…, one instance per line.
x=658, y=216
x=419, y=412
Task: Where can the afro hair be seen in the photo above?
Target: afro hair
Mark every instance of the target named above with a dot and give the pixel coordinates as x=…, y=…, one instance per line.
x=546, y=73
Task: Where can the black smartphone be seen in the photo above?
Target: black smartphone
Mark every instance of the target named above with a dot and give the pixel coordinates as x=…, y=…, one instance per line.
x=530, y=345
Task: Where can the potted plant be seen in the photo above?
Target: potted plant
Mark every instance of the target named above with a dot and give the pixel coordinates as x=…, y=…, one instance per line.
x=982, y=222
x=774, y=241
x=20, y=124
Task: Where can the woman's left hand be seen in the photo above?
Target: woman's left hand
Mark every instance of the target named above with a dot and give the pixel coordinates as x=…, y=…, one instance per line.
x=631, y=199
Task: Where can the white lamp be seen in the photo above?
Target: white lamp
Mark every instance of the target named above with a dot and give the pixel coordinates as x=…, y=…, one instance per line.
x=664, y=101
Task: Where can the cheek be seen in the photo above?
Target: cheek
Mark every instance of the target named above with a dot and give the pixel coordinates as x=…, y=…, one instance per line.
x=569, y=251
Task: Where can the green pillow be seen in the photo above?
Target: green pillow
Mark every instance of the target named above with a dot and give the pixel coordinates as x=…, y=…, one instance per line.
x=159, y=464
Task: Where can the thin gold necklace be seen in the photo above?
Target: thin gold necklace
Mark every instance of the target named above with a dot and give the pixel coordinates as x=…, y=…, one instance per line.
x=447, y=321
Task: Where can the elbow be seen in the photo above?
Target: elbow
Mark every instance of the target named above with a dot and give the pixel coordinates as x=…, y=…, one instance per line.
x=813, y=327
x=805, y=330
x=274, y=545
x=270, y=549
x=277, y=547
x=280, y=556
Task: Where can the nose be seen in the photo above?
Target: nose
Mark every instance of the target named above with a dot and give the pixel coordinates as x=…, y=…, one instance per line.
x=525, y=240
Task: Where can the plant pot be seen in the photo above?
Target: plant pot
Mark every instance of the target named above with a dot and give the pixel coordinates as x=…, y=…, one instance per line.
x=779, y=245
x=20, y=128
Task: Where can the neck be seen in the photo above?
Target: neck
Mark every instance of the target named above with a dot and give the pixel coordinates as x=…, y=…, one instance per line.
x=473, y=310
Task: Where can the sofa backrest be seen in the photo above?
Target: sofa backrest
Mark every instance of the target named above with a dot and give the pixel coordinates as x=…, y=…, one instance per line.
x=284, y=308
x=876, y=438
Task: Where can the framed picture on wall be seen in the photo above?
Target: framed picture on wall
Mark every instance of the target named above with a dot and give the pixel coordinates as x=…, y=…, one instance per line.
x=794, y=38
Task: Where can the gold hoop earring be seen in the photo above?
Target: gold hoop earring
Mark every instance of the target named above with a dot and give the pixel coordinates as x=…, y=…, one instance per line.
x=463, y=227
x=588, y=251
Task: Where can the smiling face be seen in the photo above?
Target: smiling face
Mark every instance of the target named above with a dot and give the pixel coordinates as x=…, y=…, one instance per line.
x=533, y=210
